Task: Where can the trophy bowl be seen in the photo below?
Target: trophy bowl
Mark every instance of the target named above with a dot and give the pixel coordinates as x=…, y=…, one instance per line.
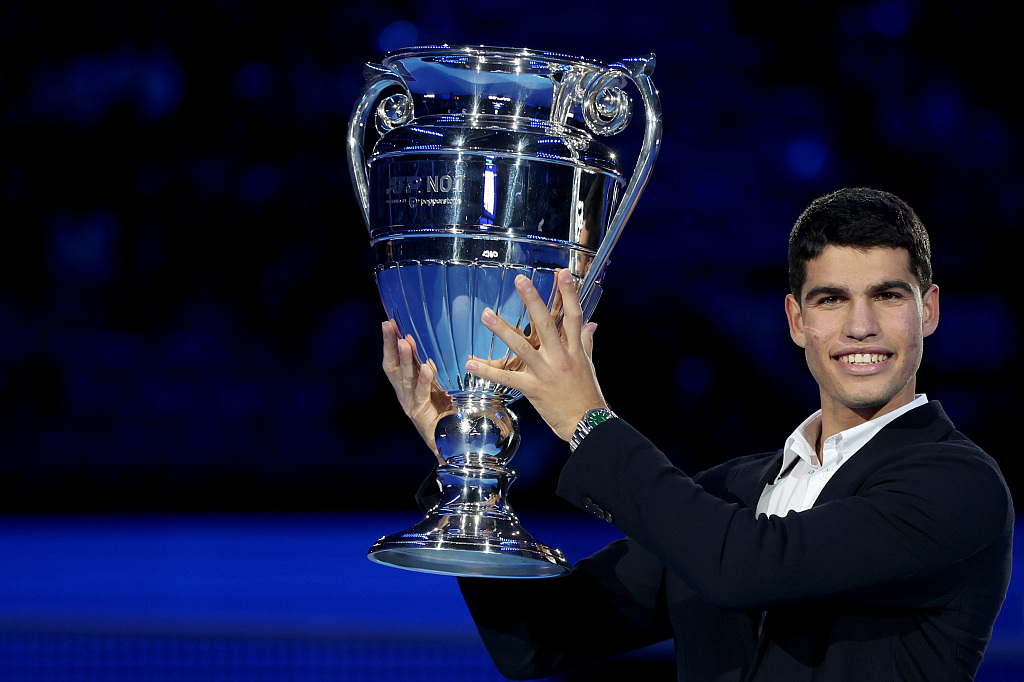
x=473, y=165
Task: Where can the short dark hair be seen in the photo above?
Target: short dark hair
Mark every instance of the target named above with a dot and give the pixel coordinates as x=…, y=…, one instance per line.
x=860, y=217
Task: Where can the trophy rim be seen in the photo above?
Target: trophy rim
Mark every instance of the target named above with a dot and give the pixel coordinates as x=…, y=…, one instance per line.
x=562, y=59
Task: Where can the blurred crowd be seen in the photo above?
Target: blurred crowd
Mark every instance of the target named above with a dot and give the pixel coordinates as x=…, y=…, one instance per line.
x=188, y=319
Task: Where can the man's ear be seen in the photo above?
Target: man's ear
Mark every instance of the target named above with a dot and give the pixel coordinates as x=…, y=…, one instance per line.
x=930, y=307
x=796, y=321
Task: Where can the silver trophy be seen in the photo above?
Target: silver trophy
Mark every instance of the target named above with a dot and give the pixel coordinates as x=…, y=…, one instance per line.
x=484, y=165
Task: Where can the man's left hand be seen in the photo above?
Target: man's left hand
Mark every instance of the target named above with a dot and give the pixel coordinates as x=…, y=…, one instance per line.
x=557, y=376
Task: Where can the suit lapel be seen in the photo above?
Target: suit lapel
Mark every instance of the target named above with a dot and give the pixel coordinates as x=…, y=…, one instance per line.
x=749, y=485
x=924, y=424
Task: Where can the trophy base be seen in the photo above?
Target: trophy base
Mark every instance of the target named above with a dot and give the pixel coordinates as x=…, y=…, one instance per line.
x=470, y=546
x=472, y=530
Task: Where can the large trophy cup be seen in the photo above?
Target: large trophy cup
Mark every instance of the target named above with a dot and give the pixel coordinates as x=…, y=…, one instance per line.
x=483, y=165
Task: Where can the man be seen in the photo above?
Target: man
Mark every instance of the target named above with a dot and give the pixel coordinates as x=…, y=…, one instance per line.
x=874, y=546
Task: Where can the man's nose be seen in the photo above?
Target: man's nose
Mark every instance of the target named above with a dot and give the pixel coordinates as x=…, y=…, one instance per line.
x=862, y=321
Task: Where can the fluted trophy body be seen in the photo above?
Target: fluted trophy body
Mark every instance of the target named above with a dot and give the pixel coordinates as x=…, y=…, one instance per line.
x=473, y=165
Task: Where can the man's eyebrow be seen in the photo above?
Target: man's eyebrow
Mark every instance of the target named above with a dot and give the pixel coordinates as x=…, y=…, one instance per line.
x=826, y=290
x=900, y=284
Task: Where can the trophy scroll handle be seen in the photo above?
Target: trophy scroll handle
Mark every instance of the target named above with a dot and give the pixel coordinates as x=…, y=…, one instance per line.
x=638, y=70
x=388, y=113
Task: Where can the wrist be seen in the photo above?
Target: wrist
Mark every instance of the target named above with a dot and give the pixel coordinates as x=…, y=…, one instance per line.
x=588, y=423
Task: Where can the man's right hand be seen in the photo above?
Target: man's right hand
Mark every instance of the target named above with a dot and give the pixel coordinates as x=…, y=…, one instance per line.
x=421, y=398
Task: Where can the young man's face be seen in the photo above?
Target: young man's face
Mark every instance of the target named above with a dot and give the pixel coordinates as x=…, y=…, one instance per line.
x=861, y=322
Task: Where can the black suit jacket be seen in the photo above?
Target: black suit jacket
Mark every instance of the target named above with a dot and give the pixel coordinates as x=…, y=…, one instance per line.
x=896, y=573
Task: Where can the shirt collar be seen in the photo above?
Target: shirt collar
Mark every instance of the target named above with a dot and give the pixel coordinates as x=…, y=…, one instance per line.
x=800, y=444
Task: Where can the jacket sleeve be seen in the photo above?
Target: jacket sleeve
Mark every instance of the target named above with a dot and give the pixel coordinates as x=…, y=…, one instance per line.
x=932, y=506
x=611, y=603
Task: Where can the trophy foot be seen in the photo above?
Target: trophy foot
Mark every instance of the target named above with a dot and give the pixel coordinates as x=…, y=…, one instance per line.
x=469, y=545
x=471, y=532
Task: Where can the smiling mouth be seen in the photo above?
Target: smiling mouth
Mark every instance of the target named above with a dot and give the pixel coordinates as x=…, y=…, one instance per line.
x=864, y=358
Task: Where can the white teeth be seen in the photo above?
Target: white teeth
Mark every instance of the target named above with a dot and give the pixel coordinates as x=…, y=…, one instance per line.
x=863, y=358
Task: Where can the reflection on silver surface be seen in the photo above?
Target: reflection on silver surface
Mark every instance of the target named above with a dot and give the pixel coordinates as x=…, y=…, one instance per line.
x=483, y=164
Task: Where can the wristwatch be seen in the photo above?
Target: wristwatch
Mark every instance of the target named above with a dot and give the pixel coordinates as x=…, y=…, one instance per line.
x=591, y=419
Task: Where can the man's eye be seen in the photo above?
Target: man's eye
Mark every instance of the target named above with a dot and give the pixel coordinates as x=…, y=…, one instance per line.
x=830, y=300
x=889, y=296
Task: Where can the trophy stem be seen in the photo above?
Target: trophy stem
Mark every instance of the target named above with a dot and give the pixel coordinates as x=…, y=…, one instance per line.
x=472, y=531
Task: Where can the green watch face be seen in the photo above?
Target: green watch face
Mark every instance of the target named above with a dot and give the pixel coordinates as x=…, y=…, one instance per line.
x=598, y=416
x=591, y=419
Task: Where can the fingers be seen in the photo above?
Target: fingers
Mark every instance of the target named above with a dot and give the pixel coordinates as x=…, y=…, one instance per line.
x=390, y=337
x=400, y=364
x=392, y=361
x=421, y=398
x=512, y=337
x=541, y=323
x=424, y=384
x=409, y=367
x=544, y=332
x=572, y=312
x=587, y=337
x=485, y=370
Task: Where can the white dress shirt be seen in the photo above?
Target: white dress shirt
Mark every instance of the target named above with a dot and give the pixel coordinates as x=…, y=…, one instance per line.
x=802, y=477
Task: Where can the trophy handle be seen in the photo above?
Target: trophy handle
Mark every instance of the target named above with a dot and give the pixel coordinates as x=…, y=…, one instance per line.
x=389, y=114
x=638, y=70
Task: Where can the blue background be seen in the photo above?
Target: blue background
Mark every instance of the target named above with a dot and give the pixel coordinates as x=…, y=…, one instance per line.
x=195, y=435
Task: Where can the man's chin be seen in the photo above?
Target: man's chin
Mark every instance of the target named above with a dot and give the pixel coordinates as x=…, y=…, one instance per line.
x=866, y=403
x=873, y=401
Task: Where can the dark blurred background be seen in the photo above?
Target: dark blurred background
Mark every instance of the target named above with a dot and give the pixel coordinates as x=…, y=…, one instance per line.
x=188, y=320
x=187, y=313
